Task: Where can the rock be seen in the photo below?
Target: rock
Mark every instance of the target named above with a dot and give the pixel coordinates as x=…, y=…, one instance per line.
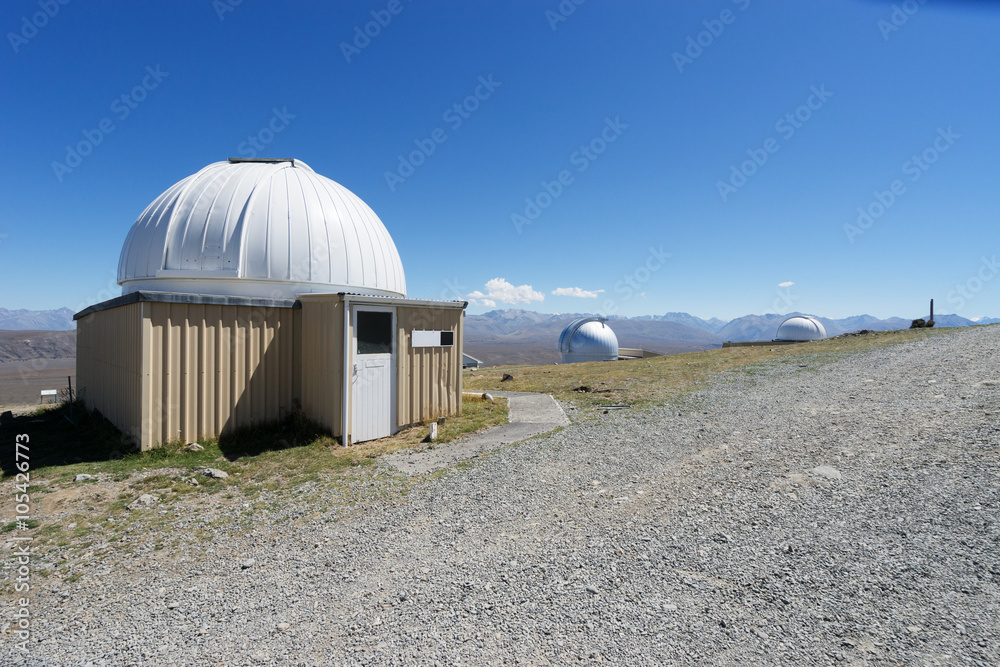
x=194, y=447
x=215, y=473
x=487, y=397
x=283, y=626
x=592, y=589
x=82, y=477
x=145, y=500
x=826, y=471
x=173, y=605
x=248, y=563
x=507, y=377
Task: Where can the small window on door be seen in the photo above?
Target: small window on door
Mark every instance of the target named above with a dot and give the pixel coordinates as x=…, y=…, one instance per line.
x=374, y=332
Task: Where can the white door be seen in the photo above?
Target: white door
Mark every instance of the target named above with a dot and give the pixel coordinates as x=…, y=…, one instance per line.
x=373, y=387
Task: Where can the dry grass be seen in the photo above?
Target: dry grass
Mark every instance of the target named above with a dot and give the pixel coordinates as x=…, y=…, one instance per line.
x=656, y=380
x=268, y=466
x=275, y=457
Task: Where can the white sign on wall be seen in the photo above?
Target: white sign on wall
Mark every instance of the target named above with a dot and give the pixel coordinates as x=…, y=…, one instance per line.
x=433, y=338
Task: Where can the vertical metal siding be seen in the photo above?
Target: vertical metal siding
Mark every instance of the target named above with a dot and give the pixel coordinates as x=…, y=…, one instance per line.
x=321, y=360
x=429, y=378
x=109, y=368
x=214, y=368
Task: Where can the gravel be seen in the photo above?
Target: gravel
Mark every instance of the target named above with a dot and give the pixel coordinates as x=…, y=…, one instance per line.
x=826, y=514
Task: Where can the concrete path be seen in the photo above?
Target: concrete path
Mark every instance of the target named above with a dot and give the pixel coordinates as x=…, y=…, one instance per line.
x=530, y=415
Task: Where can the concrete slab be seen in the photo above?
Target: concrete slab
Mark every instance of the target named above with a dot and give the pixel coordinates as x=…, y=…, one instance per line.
x=530, y=415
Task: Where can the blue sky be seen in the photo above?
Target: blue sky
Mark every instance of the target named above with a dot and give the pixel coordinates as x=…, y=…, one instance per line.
x=707, y=157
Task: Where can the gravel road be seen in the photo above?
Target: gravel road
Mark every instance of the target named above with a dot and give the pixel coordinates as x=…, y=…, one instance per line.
x=818, y=514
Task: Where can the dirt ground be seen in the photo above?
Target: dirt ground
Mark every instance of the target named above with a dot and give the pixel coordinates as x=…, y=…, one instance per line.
x=21, y=381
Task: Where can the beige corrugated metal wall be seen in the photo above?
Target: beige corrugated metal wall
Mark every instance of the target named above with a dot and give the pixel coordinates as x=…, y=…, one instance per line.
x=165, y=371
x=109, y=365
x=323, y=360
x=429, y=378
x=212, y=368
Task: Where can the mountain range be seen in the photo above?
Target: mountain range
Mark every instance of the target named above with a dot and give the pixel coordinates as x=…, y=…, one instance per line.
x=48, y=320
x=513, y=336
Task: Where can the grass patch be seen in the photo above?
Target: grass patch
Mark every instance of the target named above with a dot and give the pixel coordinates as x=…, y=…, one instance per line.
x=271, y=457
x=657, y=380
x=26, y=523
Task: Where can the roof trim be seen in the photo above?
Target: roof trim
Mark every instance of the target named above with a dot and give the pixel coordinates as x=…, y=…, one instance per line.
x=238, y=160
x=200, y=299
x=375, y=299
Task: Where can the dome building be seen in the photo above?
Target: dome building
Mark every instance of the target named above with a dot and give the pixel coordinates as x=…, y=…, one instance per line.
x=800, y=328
x=588, y=339
x=247, y=290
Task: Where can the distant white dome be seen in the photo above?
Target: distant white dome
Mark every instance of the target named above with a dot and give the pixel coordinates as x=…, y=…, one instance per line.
x=588, y=339
x=801, y=327
x=265, y=228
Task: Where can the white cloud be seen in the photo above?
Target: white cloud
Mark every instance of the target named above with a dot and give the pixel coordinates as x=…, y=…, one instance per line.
x=499, y=290
x=786, y=284
x=576, y=292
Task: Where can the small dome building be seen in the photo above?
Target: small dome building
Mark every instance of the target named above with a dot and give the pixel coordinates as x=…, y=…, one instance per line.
x=588, y=339
x=800, y=328
x=255, y=288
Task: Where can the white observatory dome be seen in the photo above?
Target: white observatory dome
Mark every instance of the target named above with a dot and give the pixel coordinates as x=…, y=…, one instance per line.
x=261, y=228
x=800, y=328
x=588, y=339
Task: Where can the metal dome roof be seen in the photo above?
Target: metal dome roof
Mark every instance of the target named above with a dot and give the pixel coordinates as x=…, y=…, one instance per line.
x=801, y=327
x=270, y=228
x=588, y=339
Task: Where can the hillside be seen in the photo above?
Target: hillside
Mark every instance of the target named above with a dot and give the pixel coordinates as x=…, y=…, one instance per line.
x=27, y=345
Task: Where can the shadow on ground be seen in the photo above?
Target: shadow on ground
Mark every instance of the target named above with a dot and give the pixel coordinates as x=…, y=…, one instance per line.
x=60, y=435
x=292, y=431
